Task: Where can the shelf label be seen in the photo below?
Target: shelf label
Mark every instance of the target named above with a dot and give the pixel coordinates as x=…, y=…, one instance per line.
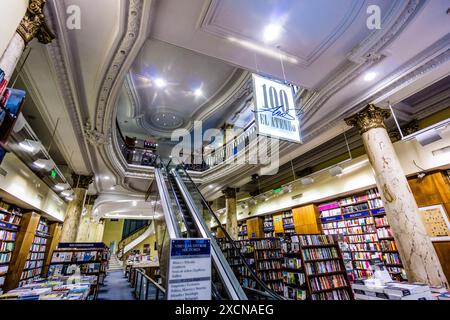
x=8, y=225
x=357, y=215
x=329, y=219
x=80, y=245
x=376, y=211
x=189, y=269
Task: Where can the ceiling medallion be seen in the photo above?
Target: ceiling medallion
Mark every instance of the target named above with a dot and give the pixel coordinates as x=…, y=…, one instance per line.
x=166, y=119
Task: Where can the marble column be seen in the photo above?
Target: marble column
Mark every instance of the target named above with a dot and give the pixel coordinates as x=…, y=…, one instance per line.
x=231, y=212
x=416, y=250
x=32, y=26
x=74, y=209
x=90, y=229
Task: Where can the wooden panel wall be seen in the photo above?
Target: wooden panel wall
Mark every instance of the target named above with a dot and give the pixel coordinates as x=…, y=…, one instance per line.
x=255, y=227
x=307, y=220
x=278, y=223
x=431, y=190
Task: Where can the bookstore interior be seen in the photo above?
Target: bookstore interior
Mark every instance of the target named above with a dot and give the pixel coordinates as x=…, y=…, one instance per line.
x=254, y=150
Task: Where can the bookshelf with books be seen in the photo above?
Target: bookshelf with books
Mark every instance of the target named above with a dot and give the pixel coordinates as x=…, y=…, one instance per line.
x=34, y=264
x=268, y=262
x=288, y=222
x=294, y=281
x=242, y=230
x=324, y=269
x=9, y=226
x=90, y=257
x=360, y=222
x=268, y=227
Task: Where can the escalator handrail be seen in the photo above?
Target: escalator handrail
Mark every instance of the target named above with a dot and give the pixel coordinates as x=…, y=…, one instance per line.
x=205, y=203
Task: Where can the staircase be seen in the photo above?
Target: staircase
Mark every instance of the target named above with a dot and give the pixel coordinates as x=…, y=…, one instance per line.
x=114, y=264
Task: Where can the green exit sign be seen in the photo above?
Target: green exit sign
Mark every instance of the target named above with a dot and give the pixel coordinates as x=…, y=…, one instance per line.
x=53, y=173
x=277, y=190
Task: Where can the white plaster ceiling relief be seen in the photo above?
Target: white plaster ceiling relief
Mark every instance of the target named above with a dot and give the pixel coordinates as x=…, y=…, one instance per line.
x=313, y=36
x=365, y=54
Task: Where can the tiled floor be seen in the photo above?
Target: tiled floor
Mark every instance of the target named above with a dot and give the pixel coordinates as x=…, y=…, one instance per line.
x=116, y=287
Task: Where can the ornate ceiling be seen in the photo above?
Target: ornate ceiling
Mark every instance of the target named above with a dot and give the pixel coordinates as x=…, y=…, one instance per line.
x=88, y=77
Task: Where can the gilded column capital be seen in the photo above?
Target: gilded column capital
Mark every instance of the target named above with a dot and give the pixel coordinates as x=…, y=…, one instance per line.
x=368, y=118
x=81, y=182
x=33, y=24
x=230, y=192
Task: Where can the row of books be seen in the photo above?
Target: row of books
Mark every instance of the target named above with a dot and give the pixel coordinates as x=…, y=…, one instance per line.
x=388, y=245
x=268, y=255
x=82, y=256
x=381, y=221
x=42, y=226
x=293, y=278
x=294, y=293
x=364, y=238
x=328, y=282
x=271, y=275
x=8, y=217
x=267, y=244
x=385, y=232
x=268, y=265
x=321, y=253
x=4, y=269
x=37, y=248
x=331, y=213
x=36, y=256
x=7, y=235
x=5, y=257
x=323, y=267
x=31, y=273
x=292, y=263
x=6, y=246
x=40, y=240
x=353, y=199
x=355, y=208
x=312, y=240
x=392, y=258
x=67, y=269
x=331, y=295
x=30, y=264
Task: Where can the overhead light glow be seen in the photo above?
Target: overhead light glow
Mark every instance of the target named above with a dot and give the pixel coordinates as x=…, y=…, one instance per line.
x=30, y=146
x=370, y=76
x=69, y=198
x=198, y=92
x=66, y=193
x=134, y=203
x=160, y=82
x=263, y=50
x=62, y=186
x=44, y=164
x=107, y=178
x=272, y=32
x=355, y=166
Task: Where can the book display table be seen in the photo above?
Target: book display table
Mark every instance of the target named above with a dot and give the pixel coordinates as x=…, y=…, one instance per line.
x=392, y=291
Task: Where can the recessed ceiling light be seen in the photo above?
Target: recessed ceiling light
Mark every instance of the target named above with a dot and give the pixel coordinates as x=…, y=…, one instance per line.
x=67, y=193
x=30, y=146
x=134, y=203
x=112, y=188
x=62, y=186
x=107, y=178
x=198, y=92
x=160, y=83
x=69, y=198
x=44, y=164
x=272, y=32
x=370, y=76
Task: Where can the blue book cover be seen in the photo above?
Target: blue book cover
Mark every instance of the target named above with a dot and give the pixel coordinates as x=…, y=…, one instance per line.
x=14, y=102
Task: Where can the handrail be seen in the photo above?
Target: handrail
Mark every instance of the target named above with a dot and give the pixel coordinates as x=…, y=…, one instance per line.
x=205, y=203
x=157, y=285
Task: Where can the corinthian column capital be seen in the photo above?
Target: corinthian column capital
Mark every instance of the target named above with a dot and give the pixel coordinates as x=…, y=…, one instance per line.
x=368, y=118
x=33, y=24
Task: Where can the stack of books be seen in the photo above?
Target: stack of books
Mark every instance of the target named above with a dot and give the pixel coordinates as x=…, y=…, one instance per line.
x=392, y=291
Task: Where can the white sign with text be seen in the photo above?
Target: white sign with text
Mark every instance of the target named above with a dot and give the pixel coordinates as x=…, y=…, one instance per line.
x=275, y=111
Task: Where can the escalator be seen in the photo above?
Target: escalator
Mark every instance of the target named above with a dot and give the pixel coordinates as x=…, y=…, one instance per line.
x=183, y=204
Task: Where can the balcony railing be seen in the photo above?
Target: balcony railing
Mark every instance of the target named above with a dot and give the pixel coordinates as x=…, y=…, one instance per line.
x=145, y=288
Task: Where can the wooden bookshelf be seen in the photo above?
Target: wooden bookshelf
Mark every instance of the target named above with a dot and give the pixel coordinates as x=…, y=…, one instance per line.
x=24, y=241
x=354, y=220
x=54, y=236
x=255, y=227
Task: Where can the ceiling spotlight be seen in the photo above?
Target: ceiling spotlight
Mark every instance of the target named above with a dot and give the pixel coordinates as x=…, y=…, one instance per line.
x=306, y=181
x=198, y=92
x=160, y=83
x=69, y=198
x=44, y=164
x=272, y=32
x=112, y=188
x=30, y=146
x=67, y=193
x=107, y=178
x=134, y=203
x=62, y=186
x=370, y=76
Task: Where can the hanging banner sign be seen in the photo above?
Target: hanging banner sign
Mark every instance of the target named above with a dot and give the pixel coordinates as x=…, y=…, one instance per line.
x=189, y=269
x=275, y=111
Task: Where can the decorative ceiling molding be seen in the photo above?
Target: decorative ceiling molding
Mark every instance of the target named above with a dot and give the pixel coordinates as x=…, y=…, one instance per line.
x=365, y=55
x=239, y=86
x=209, y=25
x=59, y=55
